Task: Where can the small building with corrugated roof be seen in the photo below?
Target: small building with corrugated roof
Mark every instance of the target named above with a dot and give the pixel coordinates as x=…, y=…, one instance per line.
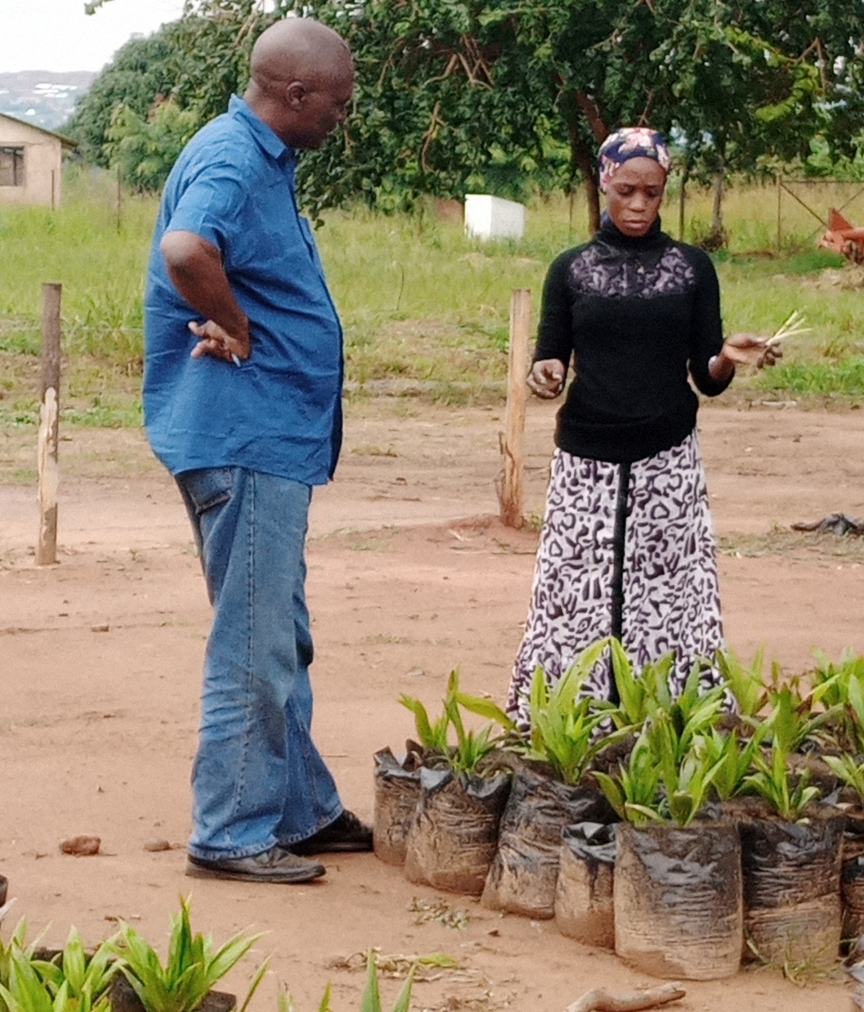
x=31, y=160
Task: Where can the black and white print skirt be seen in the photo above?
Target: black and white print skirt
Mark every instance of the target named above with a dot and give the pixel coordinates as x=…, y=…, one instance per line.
x=657, y=579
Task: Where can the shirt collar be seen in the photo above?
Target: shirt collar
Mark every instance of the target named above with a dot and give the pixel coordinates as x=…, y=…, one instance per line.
x=278, y=150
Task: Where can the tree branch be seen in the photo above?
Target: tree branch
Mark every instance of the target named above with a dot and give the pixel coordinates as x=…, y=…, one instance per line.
x=592, y=114
x=599, y=1000
x=430, y=135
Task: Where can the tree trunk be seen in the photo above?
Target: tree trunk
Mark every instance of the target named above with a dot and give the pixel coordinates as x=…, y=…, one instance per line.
x=682, y=203
x=717, y=236
x=581, y=158
x=576, y=107
x=717, y=208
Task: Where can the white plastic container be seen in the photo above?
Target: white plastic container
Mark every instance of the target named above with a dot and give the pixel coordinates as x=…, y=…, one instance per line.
x=488, y=217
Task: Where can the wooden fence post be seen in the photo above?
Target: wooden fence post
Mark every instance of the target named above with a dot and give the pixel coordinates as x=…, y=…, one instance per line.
x=512, y=487
x=49, y=419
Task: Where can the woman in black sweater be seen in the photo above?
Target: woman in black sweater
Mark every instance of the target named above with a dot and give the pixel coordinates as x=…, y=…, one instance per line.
x=627, y=547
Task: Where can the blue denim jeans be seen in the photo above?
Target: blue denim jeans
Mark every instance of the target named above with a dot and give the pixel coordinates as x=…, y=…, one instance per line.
x=257, y=779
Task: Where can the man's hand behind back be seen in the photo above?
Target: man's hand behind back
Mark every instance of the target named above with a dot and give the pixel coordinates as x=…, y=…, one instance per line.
x=216, y=341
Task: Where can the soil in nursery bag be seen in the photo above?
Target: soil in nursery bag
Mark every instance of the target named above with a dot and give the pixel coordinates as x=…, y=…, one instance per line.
x=583, y=893
x=525, y=870
x=792, y=888
x=678, y=900
x=454, y=833
x=852, y=877
x=397, y=788
x=124, y=999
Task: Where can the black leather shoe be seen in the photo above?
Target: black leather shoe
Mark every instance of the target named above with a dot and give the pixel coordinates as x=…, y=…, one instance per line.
x=346, y=833
x=274, y=865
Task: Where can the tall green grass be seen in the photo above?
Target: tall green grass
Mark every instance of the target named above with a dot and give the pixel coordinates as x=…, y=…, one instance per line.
x=425, y=308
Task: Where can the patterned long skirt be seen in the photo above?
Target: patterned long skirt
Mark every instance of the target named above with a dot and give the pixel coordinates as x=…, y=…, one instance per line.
x=626, y=550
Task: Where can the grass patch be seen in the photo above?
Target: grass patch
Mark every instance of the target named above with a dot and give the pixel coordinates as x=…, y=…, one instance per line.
x=802, y=545
x=844, y=377
x=425, y=309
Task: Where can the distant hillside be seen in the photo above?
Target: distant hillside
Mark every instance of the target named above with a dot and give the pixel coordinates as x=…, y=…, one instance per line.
x=43, y=97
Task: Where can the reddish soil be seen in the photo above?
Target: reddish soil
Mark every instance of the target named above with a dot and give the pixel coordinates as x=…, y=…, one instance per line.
x=410, y=575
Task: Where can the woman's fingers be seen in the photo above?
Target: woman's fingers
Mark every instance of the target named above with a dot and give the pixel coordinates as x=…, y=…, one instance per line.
x=546, y=378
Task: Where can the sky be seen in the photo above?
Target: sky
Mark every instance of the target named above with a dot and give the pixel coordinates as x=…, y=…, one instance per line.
x=56, y=35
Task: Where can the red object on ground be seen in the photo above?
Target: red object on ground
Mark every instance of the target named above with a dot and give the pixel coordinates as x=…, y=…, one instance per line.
x=844, y=237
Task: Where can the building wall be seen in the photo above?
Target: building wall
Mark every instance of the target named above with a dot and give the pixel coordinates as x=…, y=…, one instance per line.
x=42, y=163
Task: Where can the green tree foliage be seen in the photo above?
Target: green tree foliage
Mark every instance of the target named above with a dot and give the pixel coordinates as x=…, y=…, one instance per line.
x=454, y=95
x=142, y=72
x=145, y=149
x=447, y=88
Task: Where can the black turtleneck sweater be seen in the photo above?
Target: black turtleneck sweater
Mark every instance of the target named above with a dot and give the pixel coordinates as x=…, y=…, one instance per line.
x=636, y=315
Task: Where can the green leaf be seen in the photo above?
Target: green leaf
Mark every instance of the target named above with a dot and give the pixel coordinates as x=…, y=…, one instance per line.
x=325, y=1000
x=485, y=708
x=613, y=791
x=649, y=814
x=403, y=1001
x=371, y=998
x=421, y=721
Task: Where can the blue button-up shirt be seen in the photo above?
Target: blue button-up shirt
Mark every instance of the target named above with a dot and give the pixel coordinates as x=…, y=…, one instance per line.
x=280, y=411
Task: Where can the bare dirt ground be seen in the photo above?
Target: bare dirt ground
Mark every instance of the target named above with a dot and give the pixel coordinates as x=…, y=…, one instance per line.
x=410, y=575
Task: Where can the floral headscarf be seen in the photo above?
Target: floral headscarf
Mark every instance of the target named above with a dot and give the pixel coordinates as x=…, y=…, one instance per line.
x=627, y=143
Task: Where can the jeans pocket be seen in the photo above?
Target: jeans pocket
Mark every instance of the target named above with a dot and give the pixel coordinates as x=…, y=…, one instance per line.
x=208, y=488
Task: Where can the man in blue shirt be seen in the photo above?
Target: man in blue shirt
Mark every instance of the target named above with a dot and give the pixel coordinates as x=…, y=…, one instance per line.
x=242, y=402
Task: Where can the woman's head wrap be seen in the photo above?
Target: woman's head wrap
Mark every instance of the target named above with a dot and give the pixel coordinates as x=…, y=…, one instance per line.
x=627, y=143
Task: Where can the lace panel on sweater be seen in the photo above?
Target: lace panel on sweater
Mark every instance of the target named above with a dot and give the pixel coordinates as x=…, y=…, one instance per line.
x=608, y=272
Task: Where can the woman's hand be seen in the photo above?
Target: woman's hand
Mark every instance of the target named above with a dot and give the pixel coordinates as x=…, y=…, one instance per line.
x=546, y=378
x=743, y=349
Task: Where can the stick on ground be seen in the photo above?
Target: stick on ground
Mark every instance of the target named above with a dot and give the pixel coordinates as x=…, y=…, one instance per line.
x=599, y=1000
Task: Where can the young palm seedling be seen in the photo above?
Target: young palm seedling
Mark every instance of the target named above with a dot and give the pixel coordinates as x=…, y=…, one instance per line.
x=191, y=970
x=850, y=772
x=565, y=732
x=87, y=978
x=16, y=942
x=640, y=695
x=644, y=695
x=663, y=781
x=792, y=326
x=633, y=793
x=794, y=722
x=840, y=689
x=787, y=794
x=745, y=683
x=730, y=758
x=25, y=991
x=471, y=747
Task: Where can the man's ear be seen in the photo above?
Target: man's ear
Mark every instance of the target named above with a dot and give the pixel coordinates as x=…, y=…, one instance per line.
x=295, y=92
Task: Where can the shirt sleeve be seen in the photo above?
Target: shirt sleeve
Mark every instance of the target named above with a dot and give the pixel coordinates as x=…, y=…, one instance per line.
x=555, y=333
x=706, y=326
x=211, y=206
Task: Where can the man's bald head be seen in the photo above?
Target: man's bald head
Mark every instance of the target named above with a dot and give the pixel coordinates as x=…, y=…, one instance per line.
x=302, y=78
x=298, y=49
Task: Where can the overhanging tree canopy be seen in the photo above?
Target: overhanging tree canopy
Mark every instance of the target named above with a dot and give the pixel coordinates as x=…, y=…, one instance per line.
x=455, y=93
